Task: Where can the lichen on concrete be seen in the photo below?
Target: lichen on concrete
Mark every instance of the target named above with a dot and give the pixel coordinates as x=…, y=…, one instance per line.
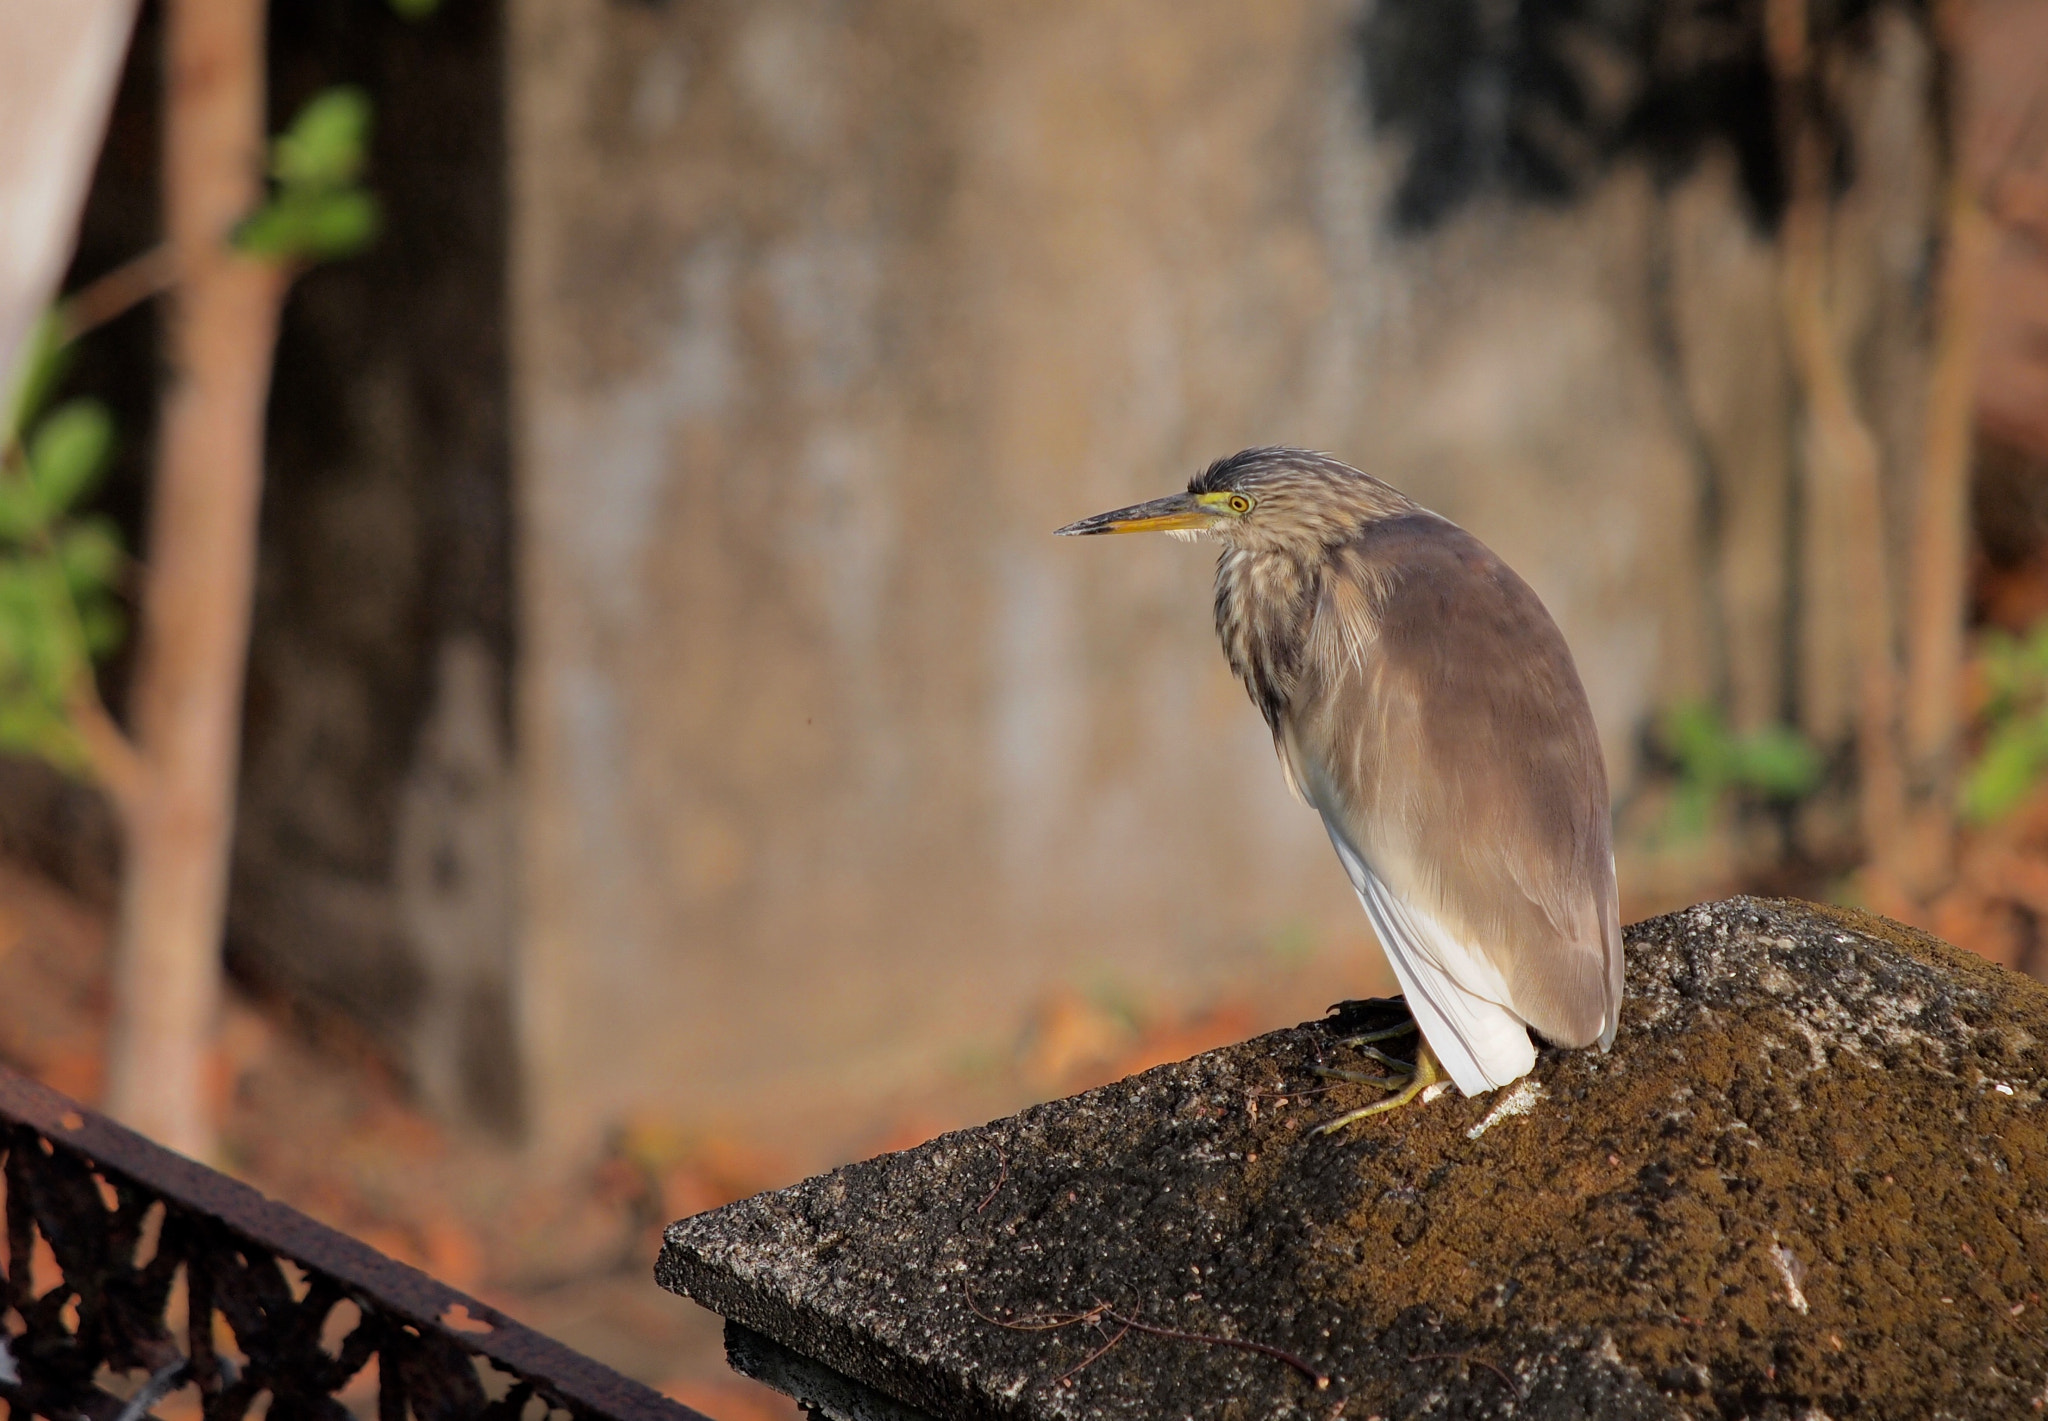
x=1809, y=1178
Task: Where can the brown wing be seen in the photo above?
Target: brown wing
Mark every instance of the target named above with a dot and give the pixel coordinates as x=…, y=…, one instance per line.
x=1442, y=718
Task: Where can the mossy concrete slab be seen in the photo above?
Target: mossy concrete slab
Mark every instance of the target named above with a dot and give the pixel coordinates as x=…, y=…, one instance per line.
x=1812, y=1177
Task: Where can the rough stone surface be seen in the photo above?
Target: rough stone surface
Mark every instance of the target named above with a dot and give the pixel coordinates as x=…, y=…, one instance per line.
x=1810, y=1177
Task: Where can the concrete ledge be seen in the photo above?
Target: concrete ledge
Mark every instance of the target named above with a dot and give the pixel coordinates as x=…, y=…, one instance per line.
x=1812, y=1176
x=824, y=1394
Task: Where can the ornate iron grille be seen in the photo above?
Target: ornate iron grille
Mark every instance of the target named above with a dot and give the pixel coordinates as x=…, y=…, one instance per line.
x=125, y=1220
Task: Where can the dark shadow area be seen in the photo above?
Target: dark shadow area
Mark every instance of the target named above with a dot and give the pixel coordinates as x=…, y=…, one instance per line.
x=1537, y=100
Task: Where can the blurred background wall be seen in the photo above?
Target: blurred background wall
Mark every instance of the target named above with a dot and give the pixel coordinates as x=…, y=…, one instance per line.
x=824, y=315
x=666, y=699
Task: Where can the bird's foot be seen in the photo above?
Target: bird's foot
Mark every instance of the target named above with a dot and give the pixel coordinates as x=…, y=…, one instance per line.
x=1392, y=1063
x=1417, y=1079
x=1394, y=1082
x=1392, y=1033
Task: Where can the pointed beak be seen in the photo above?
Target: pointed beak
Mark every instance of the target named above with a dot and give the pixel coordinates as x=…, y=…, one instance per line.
x=1172, y=514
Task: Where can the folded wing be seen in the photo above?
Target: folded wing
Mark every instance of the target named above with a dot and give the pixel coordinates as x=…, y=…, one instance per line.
x=1480, y=1042
x=1466, y=796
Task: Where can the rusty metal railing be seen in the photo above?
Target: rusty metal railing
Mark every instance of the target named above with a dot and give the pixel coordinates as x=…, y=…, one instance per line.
x=125, y=1222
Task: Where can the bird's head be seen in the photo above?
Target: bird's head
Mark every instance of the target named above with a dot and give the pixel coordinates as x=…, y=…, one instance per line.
x=1277, y=500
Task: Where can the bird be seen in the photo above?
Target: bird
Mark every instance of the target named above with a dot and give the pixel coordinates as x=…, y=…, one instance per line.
x=1425, y=704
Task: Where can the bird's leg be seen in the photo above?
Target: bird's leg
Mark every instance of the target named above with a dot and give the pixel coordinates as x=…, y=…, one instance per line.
x=1425, y=1074
x=1405, y=1068
x=1392, y=1033
x=1331, y=1073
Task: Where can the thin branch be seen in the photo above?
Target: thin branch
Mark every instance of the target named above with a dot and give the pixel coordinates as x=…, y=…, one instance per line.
x=116, y=763
x=1322, y=1382
x=1002, y=1175
x=114, y=759
x=1843, y=445
x=1035, y=1321
x=2016, y=194
x=120, y=291
x=1710, y=514
x=1471, y=1361
x=1937, y=570
x=1070, y=1373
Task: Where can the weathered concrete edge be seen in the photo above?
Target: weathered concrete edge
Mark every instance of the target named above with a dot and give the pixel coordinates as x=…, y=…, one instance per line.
x=894, y=1363
x=812, y=1385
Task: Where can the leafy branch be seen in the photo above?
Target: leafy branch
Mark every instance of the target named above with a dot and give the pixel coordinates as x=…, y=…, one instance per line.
x=61, y=573
x=317, y=209
x=2013, y=754
x=63, y=570
x=1713, y=762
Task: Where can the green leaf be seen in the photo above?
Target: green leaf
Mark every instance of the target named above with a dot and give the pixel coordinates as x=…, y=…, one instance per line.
x=340, y=224
x=104, y=626
x=40, y=729
x=327, y=142
x=21, y=510
x=59, y=657
x=1691, y=811
x=41, y=364
x=312, y=226
x=91, y=555
x=2014, y=755
x=270, y=231
x=316, y=212
x=67, y=451
x=1694, y=736
x=1777, y=761
x=16, y=607
x=2001, y=660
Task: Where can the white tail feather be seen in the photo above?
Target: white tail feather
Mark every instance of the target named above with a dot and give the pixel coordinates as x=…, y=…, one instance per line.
x=1480, y=1042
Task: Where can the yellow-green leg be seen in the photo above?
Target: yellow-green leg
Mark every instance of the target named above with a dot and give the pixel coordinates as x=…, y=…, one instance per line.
x=1392, y=1033
x=1425, y=1073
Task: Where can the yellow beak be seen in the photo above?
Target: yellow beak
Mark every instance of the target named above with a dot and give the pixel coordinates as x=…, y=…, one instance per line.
x=1172, y=514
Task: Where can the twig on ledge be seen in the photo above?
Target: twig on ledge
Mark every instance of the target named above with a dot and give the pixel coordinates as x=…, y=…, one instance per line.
x=1299, y=1364
x=1471, y=1361
x=1070, y=1373
x=1002, y=1175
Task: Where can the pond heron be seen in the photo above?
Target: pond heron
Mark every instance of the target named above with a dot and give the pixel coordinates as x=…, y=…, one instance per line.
x=1424, y=703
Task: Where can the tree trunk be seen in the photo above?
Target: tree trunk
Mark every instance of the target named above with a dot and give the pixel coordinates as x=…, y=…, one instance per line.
x=1841, y=448
x=186, y=699
x=1941, y=524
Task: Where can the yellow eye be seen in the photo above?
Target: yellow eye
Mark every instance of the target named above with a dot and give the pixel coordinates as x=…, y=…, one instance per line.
x=1239, y=504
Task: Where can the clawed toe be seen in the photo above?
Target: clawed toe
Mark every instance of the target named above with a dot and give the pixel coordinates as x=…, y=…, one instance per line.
x=1331, y=1073
x=1392, y=1033
x=1425, y=1074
